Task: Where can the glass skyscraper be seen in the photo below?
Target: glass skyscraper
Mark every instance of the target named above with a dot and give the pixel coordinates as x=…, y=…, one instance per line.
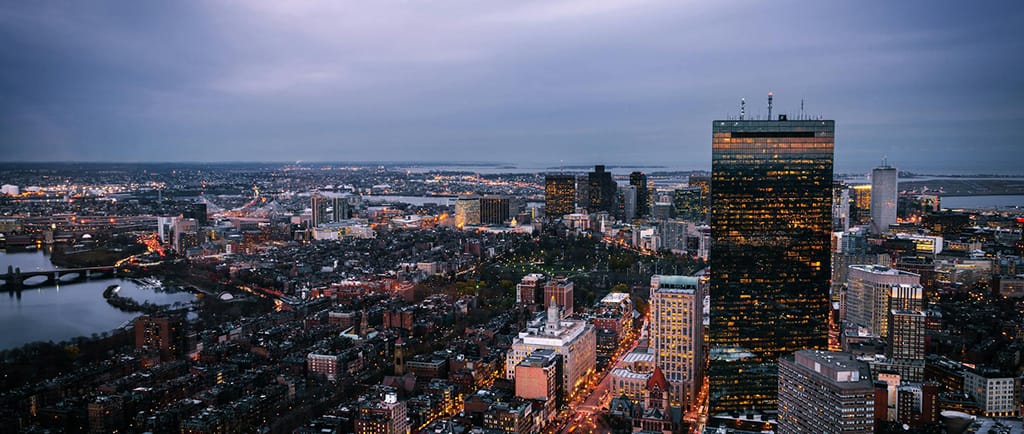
x=771, y=218
x=559, y=195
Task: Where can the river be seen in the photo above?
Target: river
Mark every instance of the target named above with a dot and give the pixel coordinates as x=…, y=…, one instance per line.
x=67, y=310
x=982, y=202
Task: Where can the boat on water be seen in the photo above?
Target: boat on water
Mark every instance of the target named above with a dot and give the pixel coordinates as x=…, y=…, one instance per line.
x=149, y=282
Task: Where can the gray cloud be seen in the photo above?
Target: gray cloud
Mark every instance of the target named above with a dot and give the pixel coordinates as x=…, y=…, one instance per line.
x=930, y=85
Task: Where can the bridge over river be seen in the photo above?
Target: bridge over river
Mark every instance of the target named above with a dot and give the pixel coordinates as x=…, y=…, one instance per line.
x=16, y=279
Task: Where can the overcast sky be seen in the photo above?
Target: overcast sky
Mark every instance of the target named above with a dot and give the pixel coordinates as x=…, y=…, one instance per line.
x=931, y=85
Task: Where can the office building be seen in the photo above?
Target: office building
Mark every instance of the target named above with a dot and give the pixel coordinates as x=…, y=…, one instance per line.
x=559, y=195
x=873, y=290
x=688, y=204
x=628, y=202
x=573, y=340
x=860, y=204
x=198, y=212
x=329, y=208
x=528, y=290
x=704, y=183
x=677, y=332
x=514, y=417
x=186, y=234
x=467, y=211
x=996, y=393
x=165, y=228
x=825, y=392
x=883, y=198
x=643, y=194
x=840, y=206
x=771, y=222
x=538, y=377
x=602, y=190
x=561, y=290
x=383, y=416
x=495, y=210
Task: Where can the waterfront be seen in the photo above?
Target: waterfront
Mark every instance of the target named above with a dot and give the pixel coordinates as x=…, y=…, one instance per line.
x=65, y=311
x=982, y=202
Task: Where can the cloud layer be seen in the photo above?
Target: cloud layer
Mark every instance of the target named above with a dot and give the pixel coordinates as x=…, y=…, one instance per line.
x=931, y=86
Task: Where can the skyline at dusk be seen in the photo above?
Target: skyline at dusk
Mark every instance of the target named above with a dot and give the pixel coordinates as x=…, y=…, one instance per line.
x=932, y=87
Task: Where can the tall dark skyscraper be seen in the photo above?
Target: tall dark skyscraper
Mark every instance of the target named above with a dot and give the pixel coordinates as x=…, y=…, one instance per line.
x=643, y=196
x=559, y=195
x=494, y=210
x=602, y=190
x=771, y=217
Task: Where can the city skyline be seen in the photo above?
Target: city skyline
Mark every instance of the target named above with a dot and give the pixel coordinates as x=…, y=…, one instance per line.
x=552, y=81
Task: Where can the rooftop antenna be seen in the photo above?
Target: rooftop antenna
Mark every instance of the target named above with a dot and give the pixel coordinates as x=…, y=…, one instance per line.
x=801, y=108
x=885, y=161
x=770, y=95
x=743, y=108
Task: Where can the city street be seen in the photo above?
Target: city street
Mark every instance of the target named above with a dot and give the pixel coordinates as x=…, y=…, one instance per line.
x=583, y=414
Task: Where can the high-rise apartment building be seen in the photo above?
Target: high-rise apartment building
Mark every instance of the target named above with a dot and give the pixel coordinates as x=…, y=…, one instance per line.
x=328, y=208
x=643, y=195
x=559, y=195
x=873, y=290
x=163, y=334
x=771, y=222
x=883, y=198
x=905, y=349
x=602, y=190
x=825, y=392
x=677, y=330
x=561, y=290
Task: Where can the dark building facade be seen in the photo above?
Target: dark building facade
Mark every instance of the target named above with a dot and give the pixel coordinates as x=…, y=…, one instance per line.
x=494, y=210
x=687, y=204
x=643, y=195
x=704, y=183
x=602, y=190
x=559, y=195
x=771, y=220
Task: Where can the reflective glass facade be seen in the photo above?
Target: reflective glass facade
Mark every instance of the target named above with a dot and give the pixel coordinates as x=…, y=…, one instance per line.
x=771, y=219
x=559, y=195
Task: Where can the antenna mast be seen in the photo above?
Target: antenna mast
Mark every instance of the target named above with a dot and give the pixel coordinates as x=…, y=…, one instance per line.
x=770, y=95
x=743, y=108
x=801, y=108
